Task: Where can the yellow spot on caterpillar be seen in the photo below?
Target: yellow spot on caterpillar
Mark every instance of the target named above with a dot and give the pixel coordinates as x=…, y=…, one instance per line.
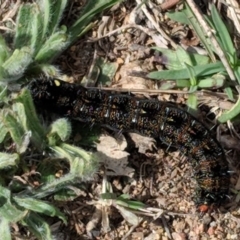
x=57, y=82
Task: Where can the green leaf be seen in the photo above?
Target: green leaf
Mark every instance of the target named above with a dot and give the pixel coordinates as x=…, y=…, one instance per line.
x=4, y=51
x=224, y=38
x=82, y=163
x=67, y=194
x=43, y=68
x=52, y=47
x=3, y=94
x=188, y=17
x=15, y=66
x=52, y=187
x=31, y=121
x=237, y=73
x=178, y=17
x=38, y=226
x=9, y=120
x=29, y=27
x=136, y=205
x=229, y=93
x=3, y=130
x=92, y=8
x=216, y=81
x=40, y=207
x=192, y=74
x=175, y=59
x=108, y=195
x=200, y=71
x=52, y=11
x=8, y=211
x=19, y=111
x=232, y=113
x=8, y=160
x=192, y=89
x=24, y=26
x=5, y=230
x=182, y=83
x=192, y=104
x=60, y=129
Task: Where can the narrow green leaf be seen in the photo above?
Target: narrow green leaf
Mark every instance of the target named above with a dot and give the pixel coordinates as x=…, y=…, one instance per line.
x=166, y=85
x=37, y=36
x=5, y=230
x=229, y=93
x=61, y=128
x=29, y=27
x=52, y=47
x=216, y=81
x=38, y=226
x=19, y=109
x=178, y=17
x=174, y=59
x=3, y=94
x=182, y=83
x=200, y=71
x=192, y=74
x=52, y=11
x=236, y=70
x=45, y=6
x=3, y=130
x=108, y=196
x=192, y=89
x=65, y=195
x=135, y=205
x=82, y=163
x=23, y=26
x=9, y=120
x=186, y=16
x=15, y=66
x=199, y=31
x=31, y=121
x=43, y=69
x=92, y=8
x=8, y=211
x=124, y=196
x=224, y=38
x=40, y=207
x=192, y=104
x=232, y=113
x=4, y=50
x=54, y=186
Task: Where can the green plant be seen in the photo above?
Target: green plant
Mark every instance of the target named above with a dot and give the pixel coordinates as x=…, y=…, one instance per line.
x=194, y=71
x=38, y=40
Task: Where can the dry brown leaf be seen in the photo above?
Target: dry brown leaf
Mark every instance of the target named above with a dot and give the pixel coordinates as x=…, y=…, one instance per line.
x=143, y=143
x=113, y=156
x=130, y=82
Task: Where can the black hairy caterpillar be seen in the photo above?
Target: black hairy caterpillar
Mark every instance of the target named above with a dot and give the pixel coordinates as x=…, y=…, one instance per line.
x=158, y=119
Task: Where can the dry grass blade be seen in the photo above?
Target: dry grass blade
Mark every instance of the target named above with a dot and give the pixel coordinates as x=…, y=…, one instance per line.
x=234, y=10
